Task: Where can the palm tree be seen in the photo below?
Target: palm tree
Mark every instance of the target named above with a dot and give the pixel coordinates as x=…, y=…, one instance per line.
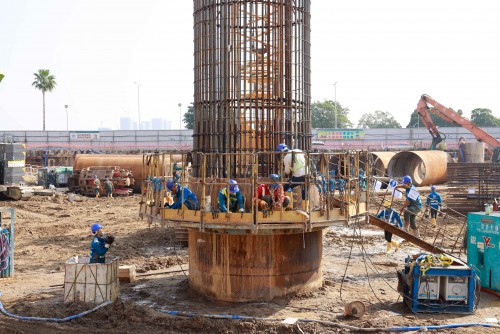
x=45, y=82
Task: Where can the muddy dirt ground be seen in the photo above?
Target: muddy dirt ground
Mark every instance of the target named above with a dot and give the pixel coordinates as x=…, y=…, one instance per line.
x=51, y=229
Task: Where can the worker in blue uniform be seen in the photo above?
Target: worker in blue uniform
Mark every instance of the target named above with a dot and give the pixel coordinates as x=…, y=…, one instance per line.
x=100, y=244
x=391, y=216
x=411, y=207
x=435, y=202
x=230, y=198
x=181, y=196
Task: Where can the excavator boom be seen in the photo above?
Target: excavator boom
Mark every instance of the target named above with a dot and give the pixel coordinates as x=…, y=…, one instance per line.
x=451, y=116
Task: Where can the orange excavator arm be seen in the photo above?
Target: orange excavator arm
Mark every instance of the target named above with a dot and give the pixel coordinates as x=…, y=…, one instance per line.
x=451, y=116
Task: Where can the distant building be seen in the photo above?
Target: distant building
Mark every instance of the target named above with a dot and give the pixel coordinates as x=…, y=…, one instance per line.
x=125, y=123
x=157, y=124
x=167, y=125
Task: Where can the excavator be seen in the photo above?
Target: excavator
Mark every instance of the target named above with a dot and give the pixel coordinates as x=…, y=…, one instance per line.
x=451, y=116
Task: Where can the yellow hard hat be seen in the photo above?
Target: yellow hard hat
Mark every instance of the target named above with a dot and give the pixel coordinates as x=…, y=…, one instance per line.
x=387, y=204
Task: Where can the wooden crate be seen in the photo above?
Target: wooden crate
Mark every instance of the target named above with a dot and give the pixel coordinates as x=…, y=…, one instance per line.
x=94, y=283
x=127, y=274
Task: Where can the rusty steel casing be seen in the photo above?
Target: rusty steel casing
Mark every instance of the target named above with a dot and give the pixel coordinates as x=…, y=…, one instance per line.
x=381, y=162
x=252, y=267
x=132, y=162
x=424, y=167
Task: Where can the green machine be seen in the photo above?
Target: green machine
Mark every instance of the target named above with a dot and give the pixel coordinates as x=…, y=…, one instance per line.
x=483, y=248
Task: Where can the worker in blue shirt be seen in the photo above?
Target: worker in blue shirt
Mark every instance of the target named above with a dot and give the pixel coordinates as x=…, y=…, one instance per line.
x=100, y=244
x=435, y=202
x=181, y=196
x=391, y=216
x=230, y=198
x=411, y=207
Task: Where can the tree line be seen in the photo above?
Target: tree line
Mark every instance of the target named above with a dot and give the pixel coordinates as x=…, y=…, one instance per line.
x=323, y=117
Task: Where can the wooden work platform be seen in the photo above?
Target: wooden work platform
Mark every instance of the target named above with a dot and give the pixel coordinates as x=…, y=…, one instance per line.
x=281, y=221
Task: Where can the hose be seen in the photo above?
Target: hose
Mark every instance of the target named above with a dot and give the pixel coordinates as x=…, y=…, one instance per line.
x=330, y=323
x=2, y=309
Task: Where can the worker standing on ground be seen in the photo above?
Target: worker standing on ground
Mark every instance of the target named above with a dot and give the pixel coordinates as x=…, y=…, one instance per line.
x=97, y=186
x=391, y=216
x=411, y=206
x=435, y=202
x=295, y=166
x=271, y=196
x=108, y=185
x=100, y=244
x=230, y=198
x=184, y=196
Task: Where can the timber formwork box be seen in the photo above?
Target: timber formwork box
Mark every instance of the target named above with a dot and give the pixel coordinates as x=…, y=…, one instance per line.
x=255, y=255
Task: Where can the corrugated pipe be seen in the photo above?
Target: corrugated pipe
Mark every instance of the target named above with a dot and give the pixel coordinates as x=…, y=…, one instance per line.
x=2, y=309
x=333, y=324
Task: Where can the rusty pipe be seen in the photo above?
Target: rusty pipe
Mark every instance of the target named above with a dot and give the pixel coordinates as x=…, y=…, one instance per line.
x=424, y=167
x=381, y=162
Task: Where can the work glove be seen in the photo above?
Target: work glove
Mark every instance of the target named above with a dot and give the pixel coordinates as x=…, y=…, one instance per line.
x=109, y=239
x=242, y=210
x=107, y=245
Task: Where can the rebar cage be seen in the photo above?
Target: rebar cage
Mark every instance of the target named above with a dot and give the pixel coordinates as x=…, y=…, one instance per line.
x=252, y=77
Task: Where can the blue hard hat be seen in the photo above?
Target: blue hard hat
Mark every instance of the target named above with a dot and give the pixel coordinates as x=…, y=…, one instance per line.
x=282, y=147
x=95, y=227
x=275, y=177
x=406, y=179
x=169, y=184
x=433, y=187
x=233, y=187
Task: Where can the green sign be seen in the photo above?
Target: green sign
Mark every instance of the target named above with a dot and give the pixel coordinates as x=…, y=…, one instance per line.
x=341, y=134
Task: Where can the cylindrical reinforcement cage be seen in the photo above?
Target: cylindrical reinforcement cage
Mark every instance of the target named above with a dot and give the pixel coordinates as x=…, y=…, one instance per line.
x=252, y=79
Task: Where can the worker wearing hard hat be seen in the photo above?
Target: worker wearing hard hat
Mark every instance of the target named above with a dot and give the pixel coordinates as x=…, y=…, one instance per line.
x=100, y=244
x=391, y=216
x=182, y=195
x=230, y=198
x=411, y=207
x=294, y=164
x=435, y=202
x=271, y=196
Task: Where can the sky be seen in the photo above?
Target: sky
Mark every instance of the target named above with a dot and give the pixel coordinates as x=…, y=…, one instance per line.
x=382, y=54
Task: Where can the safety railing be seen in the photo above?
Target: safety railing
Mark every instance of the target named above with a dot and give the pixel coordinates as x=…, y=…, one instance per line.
x=334, y=184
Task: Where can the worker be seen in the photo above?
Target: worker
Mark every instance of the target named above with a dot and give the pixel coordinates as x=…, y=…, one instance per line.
x=271, y=196
x=100, y=244
x=181, y=196
x=295, y=166
x=391, y=216
x=97, y=186
x=435, y=202
x=411, y=206
x=230, y=198
x=108, y=185
x=52, y=178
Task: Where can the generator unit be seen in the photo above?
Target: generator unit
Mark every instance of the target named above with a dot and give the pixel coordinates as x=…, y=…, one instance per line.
x=438, y=283
x=454, y=287
x=483, y=248
x=428, y=288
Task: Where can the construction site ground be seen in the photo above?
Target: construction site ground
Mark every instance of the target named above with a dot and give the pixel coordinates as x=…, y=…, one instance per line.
x=51, y=229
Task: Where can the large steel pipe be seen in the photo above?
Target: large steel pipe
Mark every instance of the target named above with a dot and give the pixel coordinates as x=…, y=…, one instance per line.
x=380, y=162
x=132, y=162
x=424, y=167
x=247, y=267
